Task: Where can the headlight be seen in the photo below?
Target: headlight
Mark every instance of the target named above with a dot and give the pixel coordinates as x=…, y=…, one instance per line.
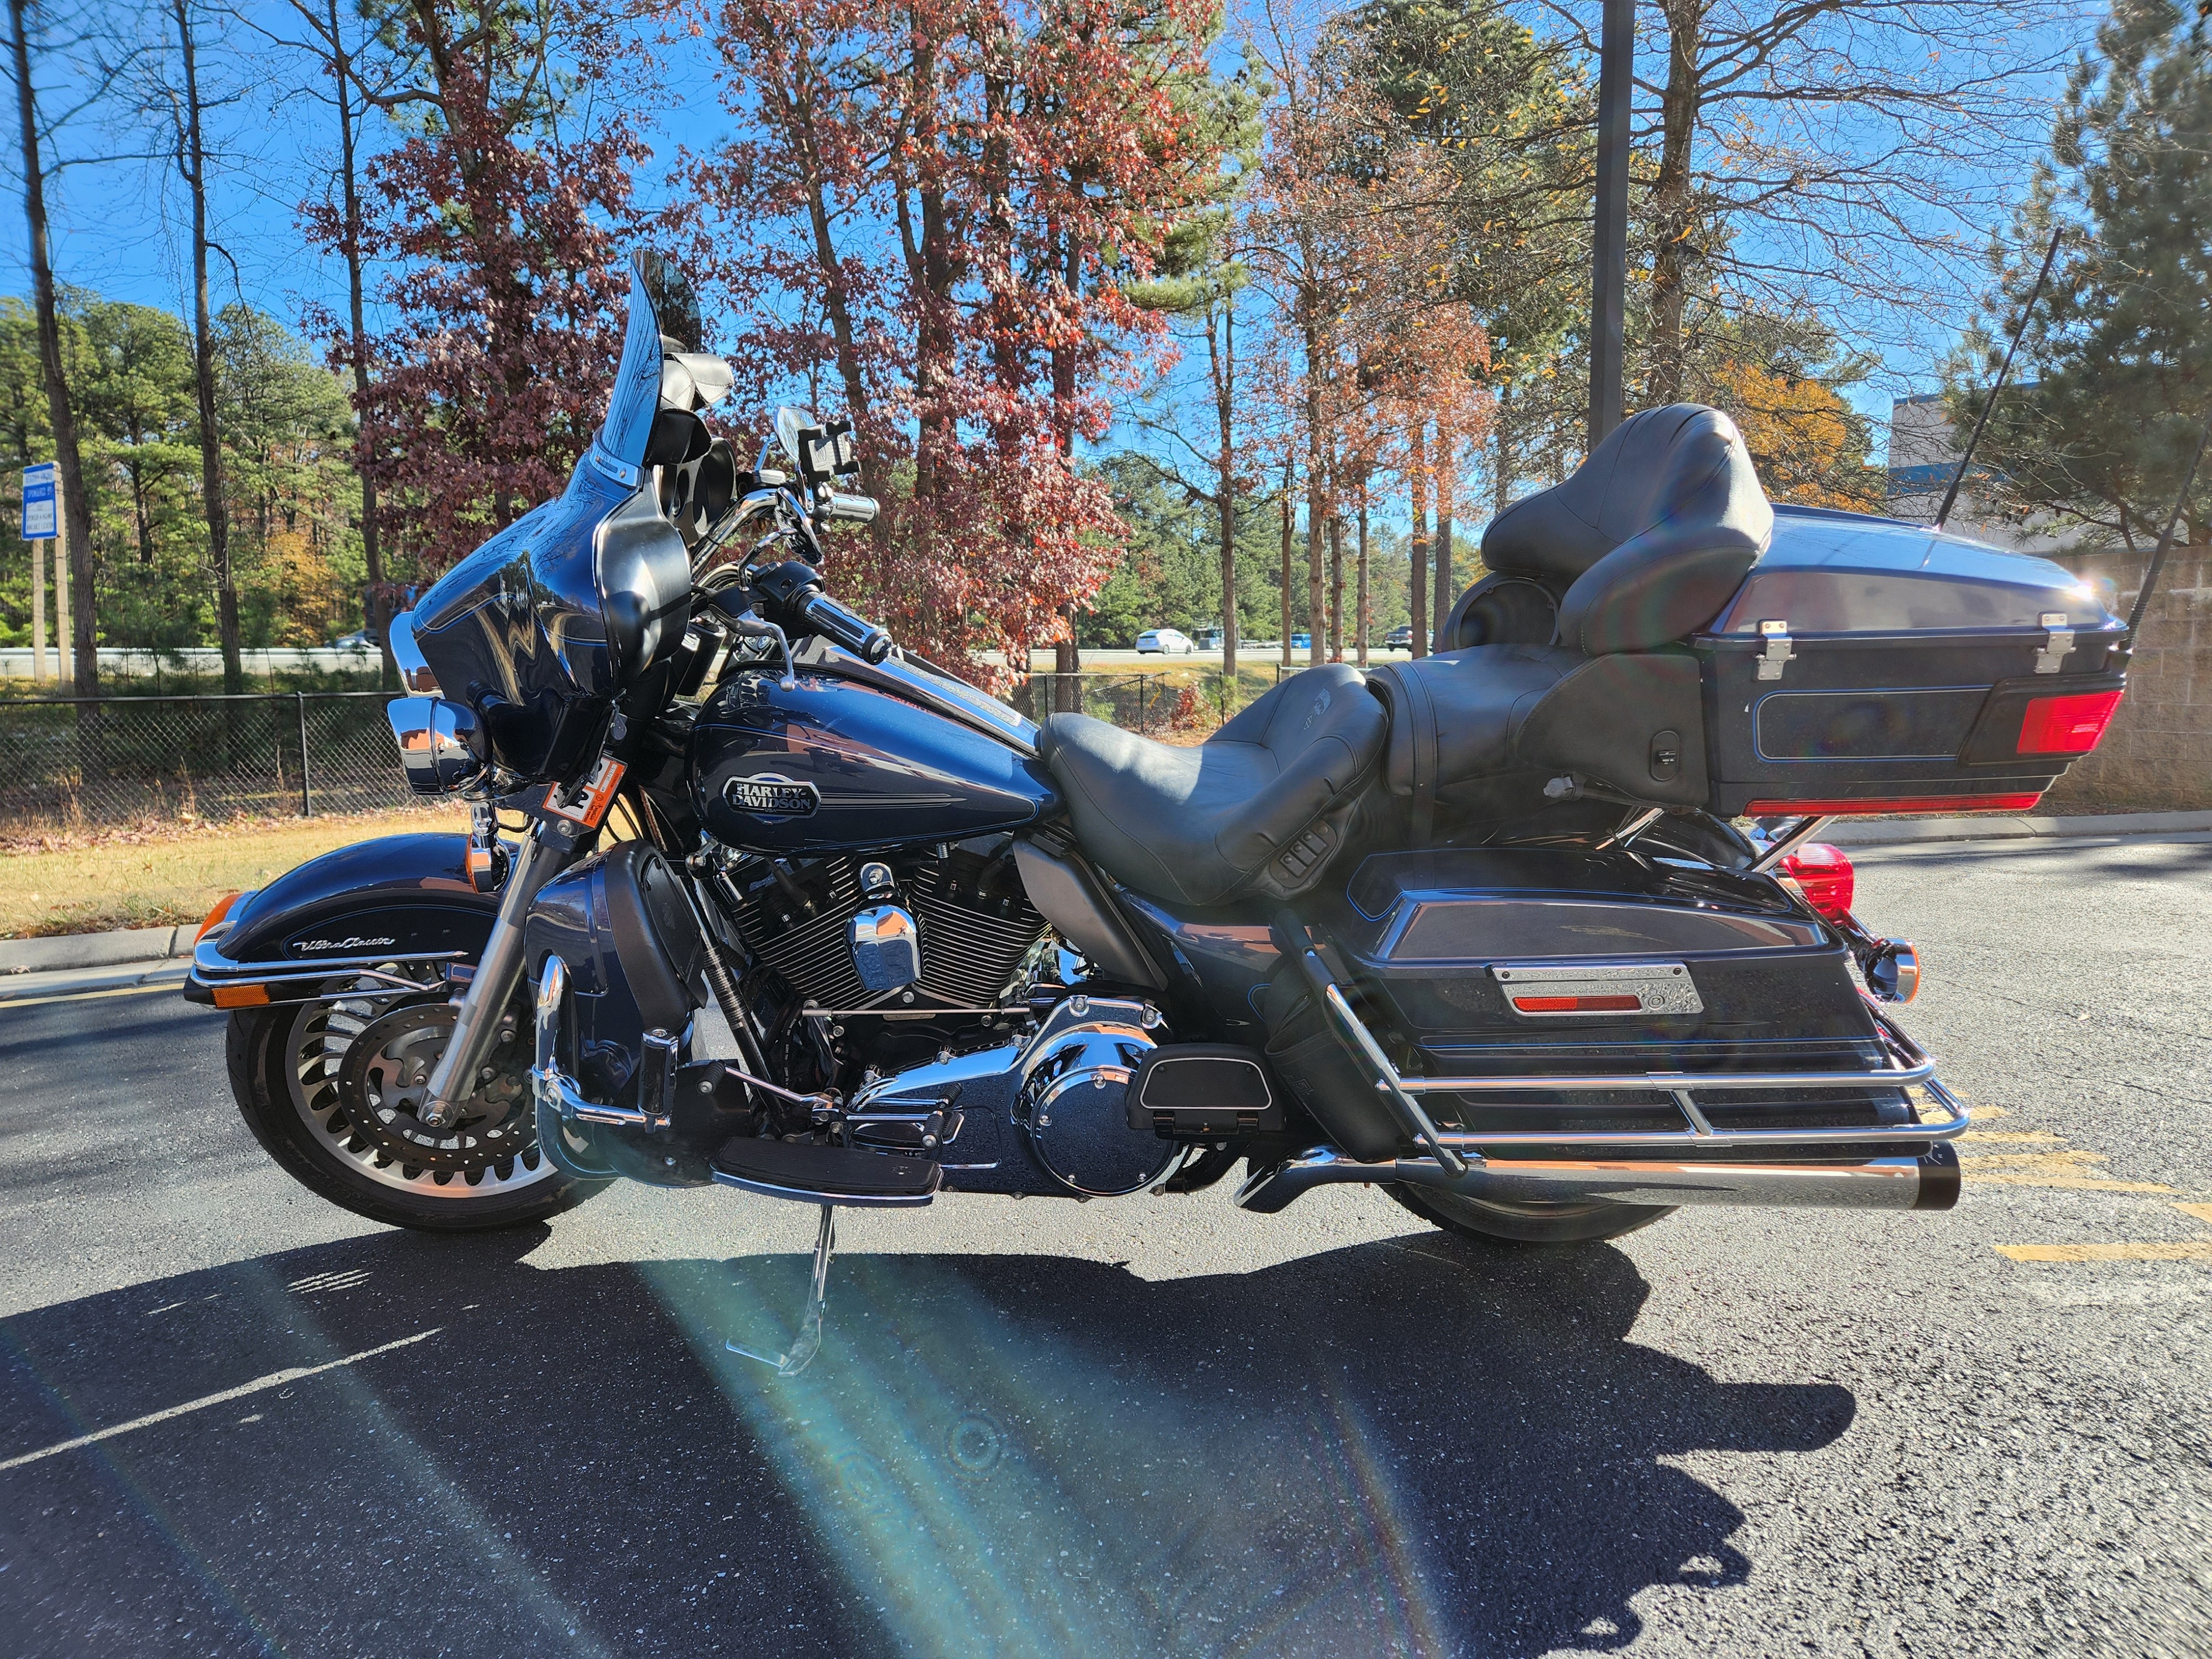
x=437, y=742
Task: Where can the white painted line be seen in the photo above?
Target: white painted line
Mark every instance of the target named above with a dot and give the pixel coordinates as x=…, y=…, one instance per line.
x=275, y=1379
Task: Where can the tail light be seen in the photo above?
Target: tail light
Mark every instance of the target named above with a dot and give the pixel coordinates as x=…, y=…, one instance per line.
x=1824, y=876
x=2067, y=725
x=1835, y=809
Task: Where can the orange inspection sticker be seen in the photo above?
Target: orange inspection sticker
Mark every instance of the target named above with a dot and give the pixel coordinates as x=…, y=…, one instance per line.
x=598, y=796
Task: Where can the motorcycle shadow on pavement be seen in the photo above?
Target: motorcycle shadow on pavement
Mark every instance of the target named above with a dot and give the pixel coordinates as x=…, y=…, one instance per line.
x=1399, y=1447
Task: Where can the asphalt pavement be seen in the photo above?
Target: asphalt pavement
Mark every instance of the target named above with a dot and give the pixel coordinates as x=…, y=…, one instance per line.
x=1161, y=1425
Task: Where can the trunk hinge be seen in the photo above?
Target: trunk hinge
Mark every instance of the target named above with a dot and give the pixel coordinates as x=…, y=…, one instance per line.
x=2058, y=641
x=1778, y=650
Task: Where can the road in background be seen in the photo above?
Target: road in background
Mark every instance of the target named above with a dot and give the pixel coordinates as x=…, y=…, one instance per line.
x=1161, y=1425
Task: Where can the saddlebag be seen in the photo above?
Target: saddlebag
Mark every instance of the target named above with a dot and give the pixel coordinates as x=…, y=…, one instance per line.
x=1506, y=963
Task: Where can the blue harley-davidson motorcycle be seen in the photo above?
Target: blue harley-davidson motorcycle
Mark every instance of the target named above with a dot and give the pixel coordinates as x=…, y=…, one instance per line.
x=1525, y=933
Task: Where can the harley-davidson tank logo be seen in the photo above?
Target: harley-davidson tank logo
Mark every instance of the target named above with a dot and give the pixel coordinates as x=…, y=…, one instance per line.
x=767, y=792
x=351, y=942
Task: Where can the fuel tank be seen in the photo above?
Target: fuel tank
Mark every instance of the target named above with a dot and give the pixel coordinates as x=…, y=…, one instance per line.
x=835, y=763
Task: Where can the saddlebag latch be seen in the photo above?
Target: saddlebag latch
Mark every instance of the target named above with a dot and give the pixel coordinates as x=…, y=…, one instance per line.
x=2057, y=641
x=1779, y=649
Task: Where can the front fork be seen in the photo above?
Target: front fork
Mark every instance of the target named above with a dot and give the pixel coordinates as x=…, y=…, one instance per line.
x=476, y=1026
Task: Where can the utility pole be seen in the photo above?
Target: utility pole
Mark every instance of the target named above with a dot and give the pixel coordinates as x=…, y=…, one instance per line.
x=1609, y=247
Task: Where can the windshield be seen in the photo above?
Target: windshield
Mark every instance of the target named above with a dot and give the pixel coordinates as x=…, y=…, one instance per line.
x=636, y=394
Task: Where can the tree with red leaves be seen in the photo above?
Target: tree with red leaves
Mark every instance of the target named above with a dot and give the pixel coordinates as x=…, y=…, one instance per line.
x=938, y=206
x=505, y=217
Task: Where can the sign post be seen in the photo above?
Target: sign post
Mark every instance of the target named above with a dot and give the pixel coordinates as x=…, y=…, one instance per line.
x=41, y=526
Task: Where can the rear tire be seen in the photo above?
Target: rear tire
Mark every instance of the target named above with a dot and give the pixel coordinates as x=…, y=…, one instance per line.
x=1488, y=1221
x=283, y=1062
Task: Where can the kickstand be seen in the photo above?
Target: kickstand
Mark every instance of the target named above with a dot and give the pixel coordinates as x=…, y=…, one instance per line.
x=809, y=1339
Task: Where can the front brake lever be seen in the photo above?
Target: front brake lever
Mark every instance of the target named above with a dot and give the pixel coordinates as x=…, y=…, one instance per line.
x=758, y=628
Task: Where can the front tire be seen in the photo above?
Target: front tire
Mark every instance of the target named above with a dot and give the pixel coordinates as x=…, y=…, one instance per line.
x=1490, y=1222
x=285, y=1068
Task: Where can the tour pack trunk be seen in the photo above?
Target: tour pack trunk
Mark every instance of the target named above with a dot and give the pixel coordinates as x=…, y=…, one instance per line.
x=1505, y=963
x=1868, y=665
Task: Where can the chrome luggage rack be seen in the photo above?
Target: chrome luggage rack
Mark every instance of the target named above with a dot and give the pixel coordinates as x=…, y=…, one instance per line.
x=1908, y=1068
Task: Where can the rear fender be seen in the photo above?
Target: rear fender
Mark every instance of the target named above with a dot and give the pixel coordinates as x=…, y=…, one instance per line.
x=405, y=899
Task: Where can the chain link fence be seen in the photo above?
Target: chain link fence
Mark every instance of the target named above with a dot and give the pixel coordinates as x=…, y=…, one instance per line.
x=1185, y=704
x=85, y=762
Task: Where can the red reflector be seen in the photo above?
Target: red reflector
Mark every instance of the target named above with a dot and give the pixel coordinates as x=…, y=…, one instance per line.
x=1832, y=809
x=1579, y=1004
x=1826, y=875
x=2067, y=725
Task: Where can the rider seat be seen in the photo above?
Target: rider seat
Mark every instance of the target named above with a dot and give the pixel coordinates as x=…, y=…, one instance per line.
x=1260, y=806
x=1644, y=544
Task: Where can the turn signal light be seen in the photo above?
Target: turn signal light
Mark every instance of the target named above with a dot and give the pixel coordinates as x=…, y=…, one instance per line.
x=1837, y=809
x=2067, y=725
x=1612, y=1005
x=1825, y=875
x=221, y=909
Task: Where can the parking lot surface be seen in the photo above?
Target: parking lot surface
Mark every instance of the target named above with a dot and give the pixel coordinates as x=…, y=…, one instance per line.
x=239, y=1421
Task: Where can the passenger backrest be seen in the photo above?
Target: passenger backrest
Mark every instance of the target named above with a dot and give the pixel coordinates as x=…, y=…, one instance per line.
x=1652, y=533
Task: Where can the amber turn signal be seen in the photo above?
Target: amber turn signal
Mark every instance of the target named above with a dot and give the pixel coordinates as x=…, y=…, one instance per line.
x=221, y=909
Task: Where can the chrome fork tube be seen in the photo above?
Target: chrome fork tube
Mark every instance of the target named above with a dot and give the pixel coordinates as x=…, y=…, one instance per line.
x=497, y=973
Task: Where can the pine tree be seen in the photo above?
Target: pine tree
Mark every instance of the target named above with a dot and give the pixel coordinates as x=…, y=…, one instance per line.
x=2115, y=372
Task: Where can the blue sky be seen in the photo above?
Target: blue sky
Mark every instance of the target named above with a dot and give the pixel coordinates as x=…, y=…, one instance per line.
x=119, y=223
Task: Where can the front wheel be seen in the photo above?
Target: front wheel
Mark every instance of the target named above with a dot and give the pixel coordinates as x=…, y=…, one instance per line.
x=1488, y=1221
x=329, y=1089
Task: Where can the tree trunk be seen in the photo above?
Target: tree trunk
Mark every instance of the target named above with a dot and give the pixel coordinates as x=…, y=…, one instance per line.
x=1671, y=204
x=1222, y=361
x=380, y=605
x=1417, y=483
x=1447, y=500
x=76, y=514
x=1363, y=617
x=1336, y=587
x=192, y=164
x=1288, y=477
x=1316, y=506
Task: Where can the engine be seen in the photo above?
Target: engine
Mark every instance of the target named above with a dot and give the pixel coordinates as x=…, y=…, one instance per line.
x=961, y=905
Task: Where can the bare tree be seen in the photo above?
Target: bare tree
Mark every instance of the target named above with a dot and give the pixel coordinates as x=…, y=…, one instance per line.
x=1850, y=154
x=61, y=412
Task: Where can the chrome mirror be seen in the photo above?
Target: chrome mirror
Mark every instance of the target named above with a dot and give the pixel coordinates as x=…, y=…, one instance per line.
x=437, y=743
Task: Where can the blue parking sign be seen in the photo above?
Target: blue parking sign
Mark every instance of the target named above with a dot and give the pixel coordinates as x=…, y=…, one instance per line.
x=39, y=502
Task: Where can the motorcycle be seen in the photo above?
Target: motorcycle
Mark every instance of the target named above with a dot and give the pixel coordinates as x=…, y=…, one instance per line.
x=1531, y=934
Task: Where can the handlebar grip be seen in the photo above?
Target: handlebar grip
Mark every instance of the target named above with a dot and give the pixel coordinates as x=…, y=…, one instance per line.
x=848, y=509
x=863, y=638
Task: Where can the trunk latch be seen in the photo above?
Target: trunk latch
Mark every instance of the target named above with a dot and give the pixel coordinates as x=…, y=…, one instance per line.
x=2058, y=641
x=1778, y=650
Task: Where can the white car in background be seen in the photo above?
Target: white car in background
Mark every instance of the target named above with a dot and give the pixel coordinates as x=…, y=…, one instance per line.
x=1167, y=641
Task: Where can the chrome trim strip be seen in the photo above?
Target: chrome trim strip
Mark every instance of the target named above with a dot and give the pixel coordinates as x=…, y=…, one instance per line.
x=209, y=964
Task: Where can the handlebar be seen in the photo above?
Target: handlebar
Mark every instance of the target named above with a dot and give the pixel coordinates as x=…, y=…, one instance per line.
x=870, y=643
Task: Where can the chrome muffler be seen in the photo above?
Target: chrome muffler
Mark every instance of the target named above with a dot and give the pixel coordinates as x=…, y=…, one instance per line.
x=1928, y=1181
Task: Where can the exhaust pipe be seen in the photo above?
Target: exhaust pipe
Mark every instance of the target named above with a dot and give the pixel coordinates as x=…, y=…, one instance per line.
x=1929, y=1182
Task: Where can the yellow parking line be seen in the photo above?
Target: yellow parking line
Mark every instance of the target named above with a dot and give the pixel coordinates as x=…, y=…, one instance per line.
x=2065, y=1182
x=2194, y=1249
x=2202, y=1212
x=171, y=985
x=2039, y=1136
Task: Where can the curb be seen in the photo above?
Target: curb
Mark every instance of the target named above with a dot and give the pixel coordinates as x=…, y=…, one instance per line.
x=35, y=987
x=1878, y=832
x=64, y=950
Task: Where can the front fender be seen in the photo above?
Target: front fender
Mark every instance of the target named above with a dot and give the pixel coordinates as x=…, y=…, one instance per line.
x=396, y=898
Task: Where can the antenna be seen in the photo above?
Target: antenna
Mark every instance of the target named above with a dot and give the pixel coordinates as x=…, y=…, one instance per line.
x=2165, y=541
x=1951, y=496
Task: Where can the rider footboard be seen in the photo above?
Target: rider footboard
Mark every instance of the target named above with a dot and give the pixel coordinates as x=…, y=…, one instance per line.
x=1515, y=1006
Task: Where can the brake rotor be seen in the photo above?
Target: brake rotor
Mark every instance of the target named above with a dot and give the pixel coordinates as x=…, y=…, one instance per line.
x=386, y=1078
